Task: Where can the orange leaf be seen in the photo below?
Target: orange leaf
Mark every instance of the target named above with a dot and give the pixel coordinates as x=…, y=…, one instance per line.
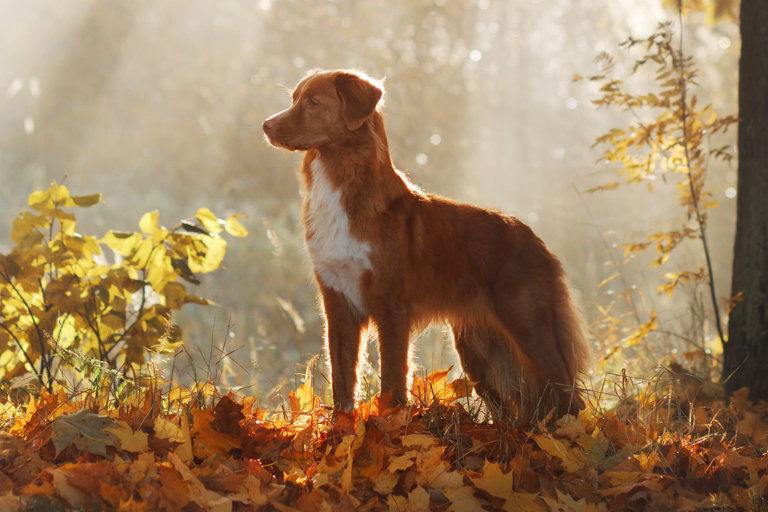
x=207, y=440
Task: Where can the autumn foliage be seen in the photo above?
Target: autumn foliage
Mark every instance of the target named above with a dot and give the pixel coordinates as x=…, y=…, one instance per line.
x=159, y=452
x=68, y=299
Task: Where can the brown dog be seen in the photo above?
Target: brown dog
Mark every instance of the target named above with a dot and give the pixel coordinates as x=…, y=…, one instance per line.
x=387, y=253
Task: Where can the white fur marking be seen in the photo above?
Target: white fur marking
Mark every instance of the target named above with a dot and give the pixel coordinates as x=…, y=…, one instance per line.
x=339, y=259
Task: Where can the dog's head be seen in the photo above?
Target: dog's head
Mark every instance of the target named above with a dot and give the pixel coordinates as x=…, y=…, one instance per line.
x=328, y=107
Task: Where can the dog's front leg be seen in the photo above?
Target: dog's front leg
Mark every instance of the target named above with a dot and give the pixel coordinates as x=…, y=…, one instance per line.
x=343, y=327
x=394, y=330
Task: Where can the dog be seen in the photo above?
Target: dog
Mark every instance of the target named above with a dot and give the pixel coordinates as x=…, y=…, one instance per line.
x=388, y=254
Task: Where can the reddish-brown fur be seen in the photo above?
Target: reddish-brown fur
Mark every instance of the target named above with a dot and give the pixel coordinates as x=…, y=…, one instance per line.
x=415, y=257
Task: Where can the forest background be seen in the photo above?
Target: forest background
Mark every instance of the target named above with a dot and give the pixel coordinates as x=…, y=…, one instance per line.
x=158, y=106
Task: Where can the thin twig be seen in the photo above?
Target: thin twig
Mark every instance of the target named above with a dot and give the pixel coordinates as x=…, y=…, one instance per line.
x=694, y=197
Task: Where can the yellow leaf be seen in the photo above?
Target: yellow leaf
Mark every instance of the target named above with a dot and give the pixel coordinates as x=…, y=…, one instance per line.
x=234, y=227
x=647, y=462
x=24, y=232
x=303, y=399
x=435, y=386
x=165, y=429
x=209, y=221
x=642, y=332
x=149, y=222
x=214, y=250
x=122, y=243
x=463, y=499
x=494, y=481
x=608, y=279
x=178, y=395
x=47, y=199
x=402, y=462
x=608, y=186
x=159, y=269
x=130, y=441
x=572, y=459
x=85, y=201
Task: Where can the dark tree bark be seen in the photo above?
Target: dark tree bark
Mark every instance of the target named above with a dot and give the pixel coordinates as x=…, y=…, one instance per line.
x=746, y=352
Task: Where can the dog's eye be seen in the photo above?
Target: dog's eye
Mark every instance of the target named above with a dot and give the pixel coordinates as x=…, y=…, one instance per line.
x=312, y=102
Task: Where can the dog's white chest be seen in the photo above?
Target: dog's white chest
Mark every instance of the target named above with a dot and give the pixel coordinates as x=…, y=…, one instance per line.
x=339, y=258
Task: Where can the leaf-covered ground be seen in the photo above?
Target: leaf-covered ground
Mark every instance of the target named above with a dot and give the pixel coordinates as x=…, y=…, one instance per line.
x=653, y=453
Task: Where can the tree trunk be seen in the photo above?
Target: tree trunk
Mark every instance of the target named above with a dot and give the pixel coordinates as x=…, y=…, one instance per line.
x=746, y=352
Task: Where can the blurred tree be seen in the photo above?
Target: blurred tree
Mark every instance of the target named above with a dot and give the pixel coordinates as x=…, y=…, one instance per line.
x=746, y=352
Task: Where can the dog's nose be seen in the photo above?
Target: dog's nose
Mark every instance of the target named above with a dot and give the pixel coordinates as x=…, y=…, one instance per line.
x=268, y=125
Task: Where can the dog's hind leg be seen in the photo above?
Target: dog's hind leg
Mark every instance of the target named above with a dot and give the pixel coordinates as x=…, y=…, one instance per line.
x=494, y=369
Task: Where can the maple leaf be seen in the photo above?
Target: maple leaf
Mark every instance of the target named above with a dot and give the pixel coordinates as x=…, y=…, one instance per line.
x=566, y=503
x=571, y=459
x=129, y=440
x=494, y=481
x=198, y=493
x=207, y=439
x=464, y=499
x=62, y=477
x=436, y=388
x=418, y=499
x=166, y=429
x=385, y=482
x=529, y=502
x=47, y=407
x=83, y=430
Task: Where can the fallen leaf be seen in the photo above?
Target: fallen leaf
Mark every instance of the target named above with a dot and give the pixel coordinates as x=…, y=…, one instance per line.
x=209, y=500
x=418, y=499
x=418, y=440
x=385, y=482
x=9, y=502
x=524, y=502
x=494, y=481
x=397, y=503
x=166, y=429
x=572, y=459
x=129, y=440
x=207, y=440
x=72, y=495
x=83, y=430
x=402, y=462
x=564, y=503
x=463, y=499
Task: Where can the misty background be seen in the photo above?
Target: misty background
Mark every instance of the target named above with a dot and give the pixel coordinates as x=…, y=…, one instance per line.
x=158, y=105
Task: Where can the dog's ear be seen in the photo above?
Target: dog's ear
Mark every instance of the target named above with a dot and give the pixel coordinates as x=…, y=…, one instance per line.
x=359, y=98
